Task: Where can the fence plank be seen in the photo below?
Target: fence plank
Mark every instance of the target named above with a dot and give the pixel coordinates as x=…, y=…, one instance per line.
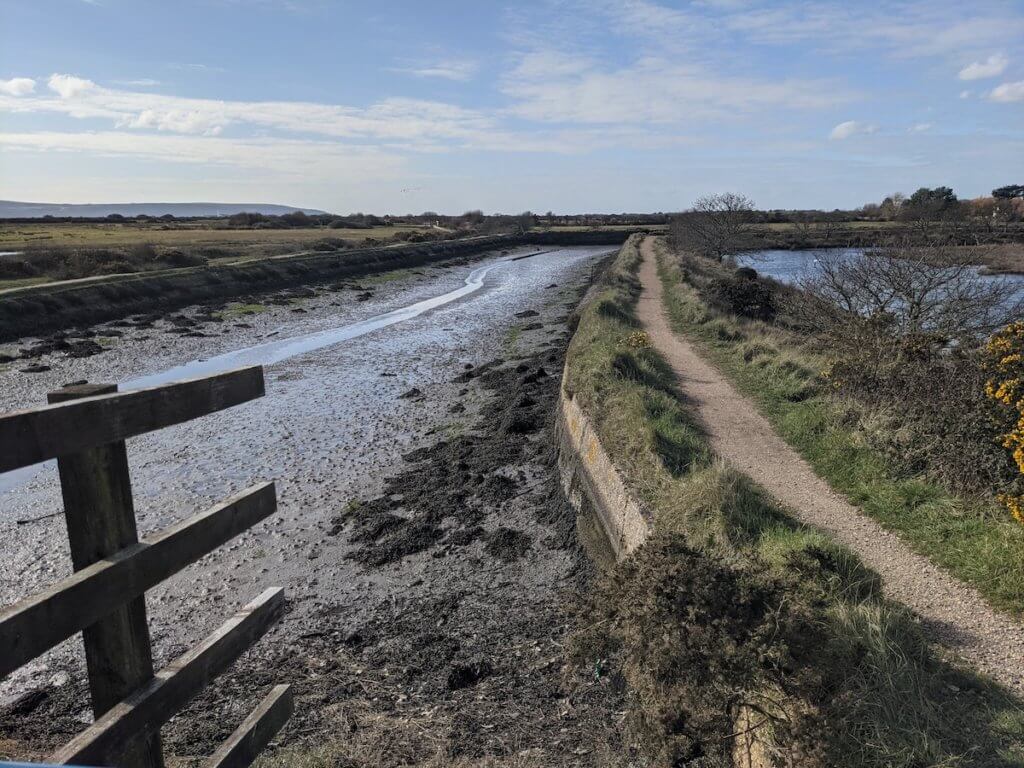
x=174, y=685
x=37, y=623
x=38, y=434
x=100, y=515
x=255, y=732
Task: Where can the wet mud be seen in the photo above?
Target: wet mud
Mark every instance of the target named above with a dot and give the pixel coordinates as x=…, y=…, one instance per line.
x=428, y=554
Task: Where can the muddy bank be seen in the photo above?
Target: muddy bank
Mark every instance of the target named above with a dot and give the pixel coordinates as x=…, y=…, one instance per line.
x=51, y=307
x=428, y=611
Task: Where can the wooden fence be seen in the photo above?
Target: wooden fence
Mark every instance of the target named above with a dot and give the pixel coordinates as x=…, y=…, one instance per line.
x=85, y=428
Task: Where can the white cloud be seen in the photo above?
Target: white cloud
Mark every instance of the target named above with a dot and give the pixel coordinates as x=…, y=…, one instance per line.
x=1008, y=92
x=18, y=86
x=459, y=70
x=69, y=86
x=993, y=66
x=919, y=128
x=178, y=121
x=395, y=119
x=851, y=128
x=965, y=94
x=395, y=123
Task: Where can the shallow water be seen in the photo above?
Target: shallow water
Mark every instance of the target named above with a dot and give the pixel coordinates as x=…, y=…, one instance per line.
x=791, y=267
x=281, y=349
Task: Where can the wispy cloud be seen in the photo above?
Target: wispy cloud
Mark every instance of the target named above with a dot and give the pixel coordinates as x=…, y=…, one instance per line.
x=142, y=82
x=286, y=157
x=459, y=70
x=993, y=66
x=900, y=29
x=393, y=124
x=554, y=87
x=851, y=128
x=395, y=119
x=920, y=128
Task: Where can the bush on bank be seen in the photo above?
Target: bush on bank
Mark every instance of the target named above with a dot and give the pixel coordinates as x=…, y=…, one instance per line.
x=745, y=638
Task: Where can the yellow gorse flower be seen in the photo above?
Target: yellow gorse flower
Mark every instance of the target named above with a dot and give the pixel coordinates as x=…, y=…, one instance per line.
x=1004, y=361
x=638, y=340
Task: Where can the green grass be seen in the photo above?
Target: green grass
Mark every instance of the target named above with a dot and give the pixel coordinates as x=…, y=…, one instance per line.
x=387, y=277
x=972, y=539
x=23, y=282
x=860, y=663
x=241, y=310
x=512, y=338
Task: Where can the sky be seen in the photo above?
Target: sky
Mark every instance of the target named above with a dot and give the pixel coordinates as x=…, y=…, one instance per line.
x=563, y=105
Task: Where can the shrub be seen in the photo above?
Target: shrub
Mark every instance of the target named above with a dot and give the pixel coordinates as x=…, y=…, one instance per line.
x=1004, y=362
x=742, y=295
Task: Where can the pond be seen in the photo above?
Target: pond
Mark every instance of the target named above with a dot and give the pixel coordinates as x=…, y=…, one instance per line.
x=792, y=266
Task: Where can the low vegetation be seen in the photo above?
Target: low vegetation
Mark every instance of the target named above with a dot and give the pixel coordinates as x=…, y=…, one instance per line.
x=743, y=637
x=912, y=444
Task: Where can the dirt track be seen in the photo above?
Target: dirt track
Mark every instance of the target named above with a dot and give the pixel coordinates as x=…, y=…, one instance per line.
x=429, y=557
x=954, y=614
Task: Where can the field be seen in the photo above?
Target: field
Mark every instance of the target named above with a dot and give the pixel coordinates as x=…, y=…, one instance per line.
x=204, y=232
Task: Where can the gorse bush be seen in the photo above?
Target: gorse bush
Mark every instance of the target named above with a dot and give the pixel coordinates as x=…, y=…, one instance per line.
x=1004, y=363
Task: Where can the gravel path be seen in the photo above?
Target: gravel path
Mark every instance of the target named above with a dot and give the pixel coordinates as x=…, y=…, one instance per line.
x=953, y=614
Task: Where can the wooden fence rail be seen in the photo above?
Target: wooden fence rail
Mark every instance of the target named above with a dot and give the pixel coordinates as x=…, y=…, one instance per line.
x=85, y=429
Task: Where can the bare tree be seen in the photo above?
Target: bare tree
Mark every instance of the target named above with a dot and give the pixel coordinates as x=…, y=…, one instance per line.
x=715, y=226
x=884, y=311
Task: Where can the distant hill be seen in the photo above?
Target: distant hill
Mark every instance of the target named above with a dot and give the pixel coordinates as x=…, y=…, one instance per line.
x=10, y=209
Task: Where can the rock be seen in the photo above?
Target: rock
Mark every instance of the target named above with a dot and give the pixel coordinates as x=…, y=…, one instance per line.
x=35, y=368
x=84, y=348
x=411, y=394
x=527, y=313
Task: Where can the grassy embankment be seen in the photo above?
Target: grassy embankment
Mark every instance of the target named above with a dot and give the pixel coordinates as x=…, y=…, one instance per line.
x=62, y=250
x=970, y=538
x=741, y=634
x=190, y=233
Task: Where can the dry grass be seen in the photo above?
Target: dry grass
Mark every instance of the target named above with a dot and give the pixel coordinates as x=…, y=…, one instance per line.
x=212, y=232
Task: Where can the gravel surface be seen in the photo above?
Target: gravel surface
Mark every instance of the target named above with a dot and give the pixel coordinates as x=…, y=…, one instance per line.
x=953, y=614
x=418, y=621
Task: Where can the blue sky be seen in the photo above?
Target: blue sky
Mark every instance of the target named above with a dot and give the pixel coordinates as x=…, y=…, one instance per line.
x=561, y=105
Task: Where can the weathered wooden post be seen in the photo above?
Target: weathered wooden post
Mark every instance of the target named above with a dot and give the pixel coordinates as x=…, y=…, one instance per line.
x=100, y=518
x=85, y=428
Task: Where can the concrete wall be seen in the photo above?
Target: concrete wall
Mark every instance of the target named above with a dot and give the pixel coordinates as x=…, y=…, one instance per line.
x=593, y=484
